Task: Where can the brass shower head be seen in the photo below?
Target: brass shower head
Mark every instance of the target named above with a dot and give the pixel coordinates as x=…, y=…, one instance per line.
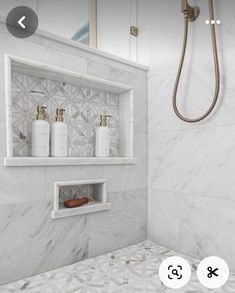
x=190, y=13
x=184, y=5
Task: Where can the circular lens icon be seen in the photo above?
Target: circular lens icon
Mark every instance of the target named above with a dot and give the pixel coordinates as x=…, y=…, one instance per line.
x=22, y=22
x=175, y=272
x=213, y=272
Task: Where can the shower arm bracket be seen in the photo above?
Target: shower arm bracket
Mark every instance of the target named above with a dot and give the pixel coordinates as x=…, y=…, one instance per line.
x=190, y=13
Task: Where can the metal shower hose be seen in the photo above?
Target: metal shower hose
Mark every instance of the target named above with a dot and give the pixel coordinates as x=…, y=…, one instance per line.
x=216, y=66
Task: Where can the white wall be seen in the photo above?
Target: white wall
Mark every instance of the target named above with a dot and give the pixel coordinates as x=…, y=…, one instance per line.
x=61, y=17
x=114, y=19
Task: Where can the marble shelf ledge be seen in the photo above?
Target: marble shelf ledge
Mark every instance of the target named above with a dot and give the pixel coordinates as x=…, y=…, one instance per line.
x=69, y=161
x=86, y=209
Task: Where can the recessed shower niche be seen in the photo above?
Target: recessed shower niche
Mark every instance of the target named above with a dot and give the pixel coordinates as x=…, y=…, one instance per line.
x=95, y=190
x=85, y=98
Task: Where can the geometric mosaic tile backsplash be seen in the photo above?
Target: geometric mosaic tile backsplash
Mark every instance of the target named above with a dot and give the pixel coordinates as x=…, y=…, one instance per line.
x=75, y=191
x=83, y=108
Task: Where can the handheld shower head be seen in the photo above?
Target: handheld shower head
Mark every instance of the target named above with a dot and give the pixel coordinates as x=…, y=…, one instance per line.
x=184, y=5
x=190, y=13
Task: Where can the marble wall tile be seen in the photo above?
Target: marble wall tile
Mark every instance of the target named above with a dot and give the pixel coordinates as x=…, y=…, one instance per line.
x=13, y=187
x=207, y=228
x=2, y=90
x=160, y=112
x=225, y=32
x=31, y=242
x=198, y=226
x=2, y=143
x=164, y=218
x=55, y=42
x=120, y=63
x=21, y=184
x=82, y=51
x=197, y=161
x=123, y=225
x=139, y=82
x=194, y=96
x=38, y=52
x=104, y=70
x=199, y=90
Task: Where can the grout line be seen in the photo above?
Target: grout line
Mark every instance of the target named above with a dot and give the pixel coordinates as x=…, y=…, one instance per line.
x=147, y=155
x=192, y=128
x=45, y=183
x=88, y=234
x=178, y=193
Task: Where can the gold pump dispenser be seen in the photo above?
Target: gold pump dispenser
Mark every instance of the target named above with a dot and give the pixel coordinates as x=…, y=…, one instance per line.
x=103, y=119
x=41, y=112
x=60, y=115
x=39, y=142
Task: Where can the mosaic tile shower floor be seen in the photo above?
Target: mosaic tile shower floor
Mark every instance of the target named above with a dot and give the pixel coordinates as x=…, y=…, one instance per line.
x=130, y=270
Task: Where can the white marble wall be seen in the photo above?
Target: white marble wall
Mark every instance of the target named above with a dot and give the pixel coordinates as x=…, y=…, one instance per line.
x=30, y=242
x=191, y=166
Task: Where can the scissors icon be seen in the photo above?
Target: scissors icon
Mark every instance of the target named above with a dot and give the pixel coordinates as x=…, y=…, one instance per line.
x=212, y=272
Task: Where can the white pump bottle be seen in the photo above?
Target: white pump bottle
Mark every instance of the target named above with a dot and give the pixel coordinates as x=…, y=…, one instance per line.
x=59, y=136
x=40, y=134
x=103, y=138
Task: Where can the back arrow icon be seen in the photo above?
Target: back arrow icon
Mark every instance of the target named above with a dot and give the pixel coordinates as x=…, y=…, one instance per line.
x=20, y=22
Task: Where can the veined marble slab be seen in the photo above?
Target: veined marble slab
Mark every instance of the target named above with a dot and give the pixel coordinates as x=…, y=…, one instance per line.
x=32, y=243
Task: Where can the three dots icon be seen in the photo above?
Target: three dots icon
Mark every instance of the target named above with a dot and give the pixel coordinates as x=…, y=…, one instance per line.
x=213, y=21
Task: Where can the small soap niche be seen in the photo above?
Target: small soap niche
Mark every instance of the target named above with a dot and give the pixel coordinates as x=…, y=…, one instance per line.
x=95, y=190
x=30, y=83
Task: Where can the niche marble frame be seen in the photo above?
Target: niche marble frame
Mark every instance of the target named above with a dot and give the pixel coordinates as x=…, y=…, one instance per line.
x=99, y=195
x=126, y=113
